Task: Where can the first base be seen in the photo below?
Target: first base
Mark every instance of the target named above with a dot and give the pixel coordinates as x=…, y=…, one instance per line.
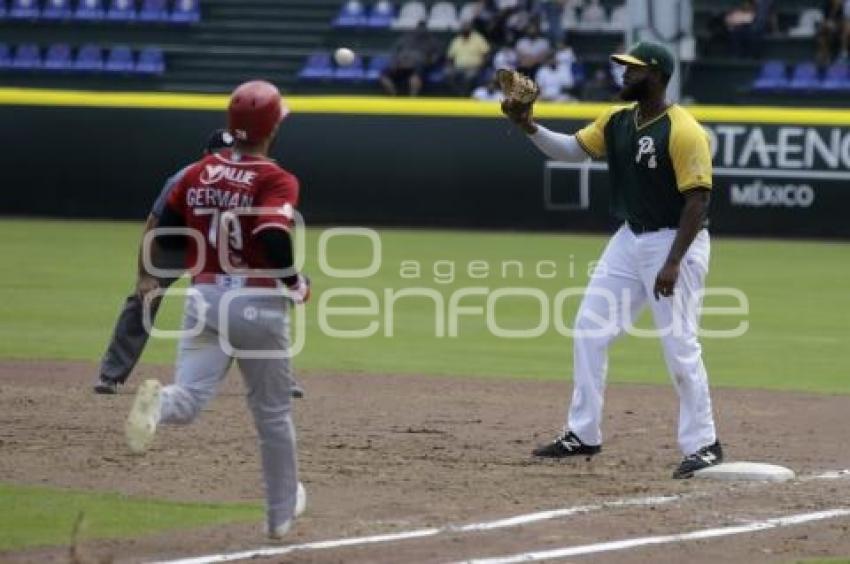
x=746, y=471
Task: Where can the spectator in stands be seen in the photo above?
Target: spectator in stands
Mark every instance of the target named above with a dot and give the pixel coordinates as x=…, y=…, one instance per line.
x=486, y=19
x=566, y=58
x=766, y=20
x=739, y=27
x=413, y=54
x=505, y=58
x=504, y=10
x=553, y=10
x=594, y=14
x=599, y=88
x=830, y=30
x=516, y=24
x=466, y=56
x=532, y=51
x=553, y=82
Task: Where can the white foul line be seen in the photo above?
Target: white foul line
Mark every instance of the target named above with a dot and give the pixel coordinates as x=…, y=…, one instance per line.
x=434, y=531
x=624, y=544
x=831, y=475
x=472, y=527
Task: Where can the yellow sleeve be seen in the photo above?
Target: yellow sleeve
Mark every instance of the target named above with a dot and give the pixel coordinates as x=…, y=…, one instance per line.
x=592, y=136
x=690, y=153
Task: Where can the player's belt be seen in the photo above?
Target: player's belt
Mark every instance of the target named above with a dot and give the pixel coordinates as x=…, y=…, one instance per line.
x=228, y=281
x=638, y=228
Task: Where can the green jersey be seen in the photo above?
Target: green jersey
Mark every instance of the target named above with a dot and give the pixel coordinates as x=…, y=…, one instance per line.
x=652, y=165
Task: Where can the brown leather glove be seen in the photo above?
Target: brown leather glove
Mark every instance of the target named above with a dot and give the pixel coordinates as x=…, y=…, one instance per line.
x=520, y=93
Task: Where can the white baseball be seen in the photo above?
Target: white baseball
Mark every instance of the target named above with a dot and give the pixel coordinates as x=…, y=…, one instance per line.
x=344, y=56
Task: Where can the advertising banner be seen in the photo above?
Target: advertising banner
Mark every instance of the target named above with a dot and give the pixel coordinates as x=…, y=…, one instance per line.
x=429, y=162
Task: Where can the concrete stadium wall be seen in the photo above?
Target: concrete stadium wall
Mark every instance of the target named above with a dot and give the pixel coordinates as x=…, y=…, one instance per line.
x=778, y=172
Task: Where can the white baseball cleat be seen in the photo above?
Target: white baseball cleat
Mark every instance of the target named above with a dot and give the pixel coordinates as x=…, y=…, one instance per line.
x=144, y=416
x=300, y=505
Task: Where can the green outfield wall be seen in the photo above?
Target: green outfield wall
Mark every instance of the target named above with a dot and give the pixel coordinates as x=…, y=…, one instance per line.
x=378, y=161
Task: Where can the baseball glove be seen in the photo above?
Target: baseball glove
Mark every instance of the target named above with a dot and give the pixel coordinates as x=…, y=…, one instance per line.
x=518, y=88
x=520, y=93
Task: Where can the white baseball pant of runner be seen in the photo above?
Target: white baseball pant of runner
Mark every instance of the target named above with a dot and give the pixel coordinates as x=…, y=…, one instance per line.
x=254, y=323
x=620, y=288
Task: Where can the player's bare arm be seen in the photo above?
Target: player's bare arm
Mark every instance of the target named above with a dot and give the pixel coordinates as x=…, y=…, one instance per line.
x=691, y=222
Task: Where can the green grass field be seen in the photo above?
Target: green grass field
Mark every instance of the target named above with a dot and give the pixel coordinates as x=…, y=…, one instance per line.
x=63, y=283
x=34, y=516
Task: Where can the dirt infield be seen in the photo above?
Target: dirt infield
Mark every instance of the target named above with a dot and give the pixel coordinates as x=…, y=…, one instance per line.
x=384, y=454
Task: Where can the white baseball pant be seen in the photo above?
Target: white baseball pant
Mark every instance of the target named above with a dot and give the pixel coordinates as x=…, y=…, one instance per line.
x=255, y=323
x=618, y=291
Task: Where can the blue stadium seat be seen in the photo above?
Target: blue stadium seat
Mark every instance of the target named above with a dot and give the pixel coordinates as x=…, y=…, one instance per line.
x=352, y=14
x=57, y=10
x=771, y=77
x=120, y=59
x=377, y=64
x=3, y=11
x=5, y=58
x=151, y=61
x=154, y=11
x=382, y=15
x=24, y=10
x=58, y=57
x=27, y=56
x=837, y=77
x=318, y=66
x=186, y=11
x=121, y=11
x=352, y=72
x=89, y=58
x=90, y=10
x=805, y=77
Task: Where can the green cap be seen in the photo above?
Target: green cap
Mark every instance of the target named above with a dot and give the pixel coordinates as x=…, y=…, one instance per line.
x=648, y=54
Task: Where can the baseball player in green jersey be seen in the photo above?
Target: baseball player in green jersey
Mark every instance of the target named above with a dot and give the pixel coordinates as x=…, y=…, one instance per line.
x=659, y=163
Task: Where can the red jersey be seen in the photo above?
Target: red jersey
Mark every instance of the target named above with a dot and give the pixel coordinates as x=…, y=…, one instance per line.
x=227, y=199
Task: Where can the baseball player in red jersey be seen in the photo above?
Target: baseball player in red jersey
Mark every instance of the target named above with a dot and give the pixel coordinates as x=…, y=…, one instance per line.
x=238, y=207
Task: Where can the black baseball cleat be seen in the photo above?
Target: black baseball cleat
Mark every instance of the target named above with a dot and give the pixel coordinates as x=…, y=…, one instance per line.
x=710, y=455
x=106, y=385
x=566, y=445
x=297, y=392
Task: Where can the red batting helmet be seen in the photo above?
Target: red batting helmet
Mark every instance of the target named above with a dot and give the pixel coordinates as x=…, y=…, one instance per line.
x=254, y=111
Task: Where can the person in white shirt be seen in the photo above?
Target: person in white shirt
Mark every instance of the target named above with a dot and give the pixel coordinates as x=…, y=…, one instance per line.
x=553, y=82
x=565, y=57
x=532, y=50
